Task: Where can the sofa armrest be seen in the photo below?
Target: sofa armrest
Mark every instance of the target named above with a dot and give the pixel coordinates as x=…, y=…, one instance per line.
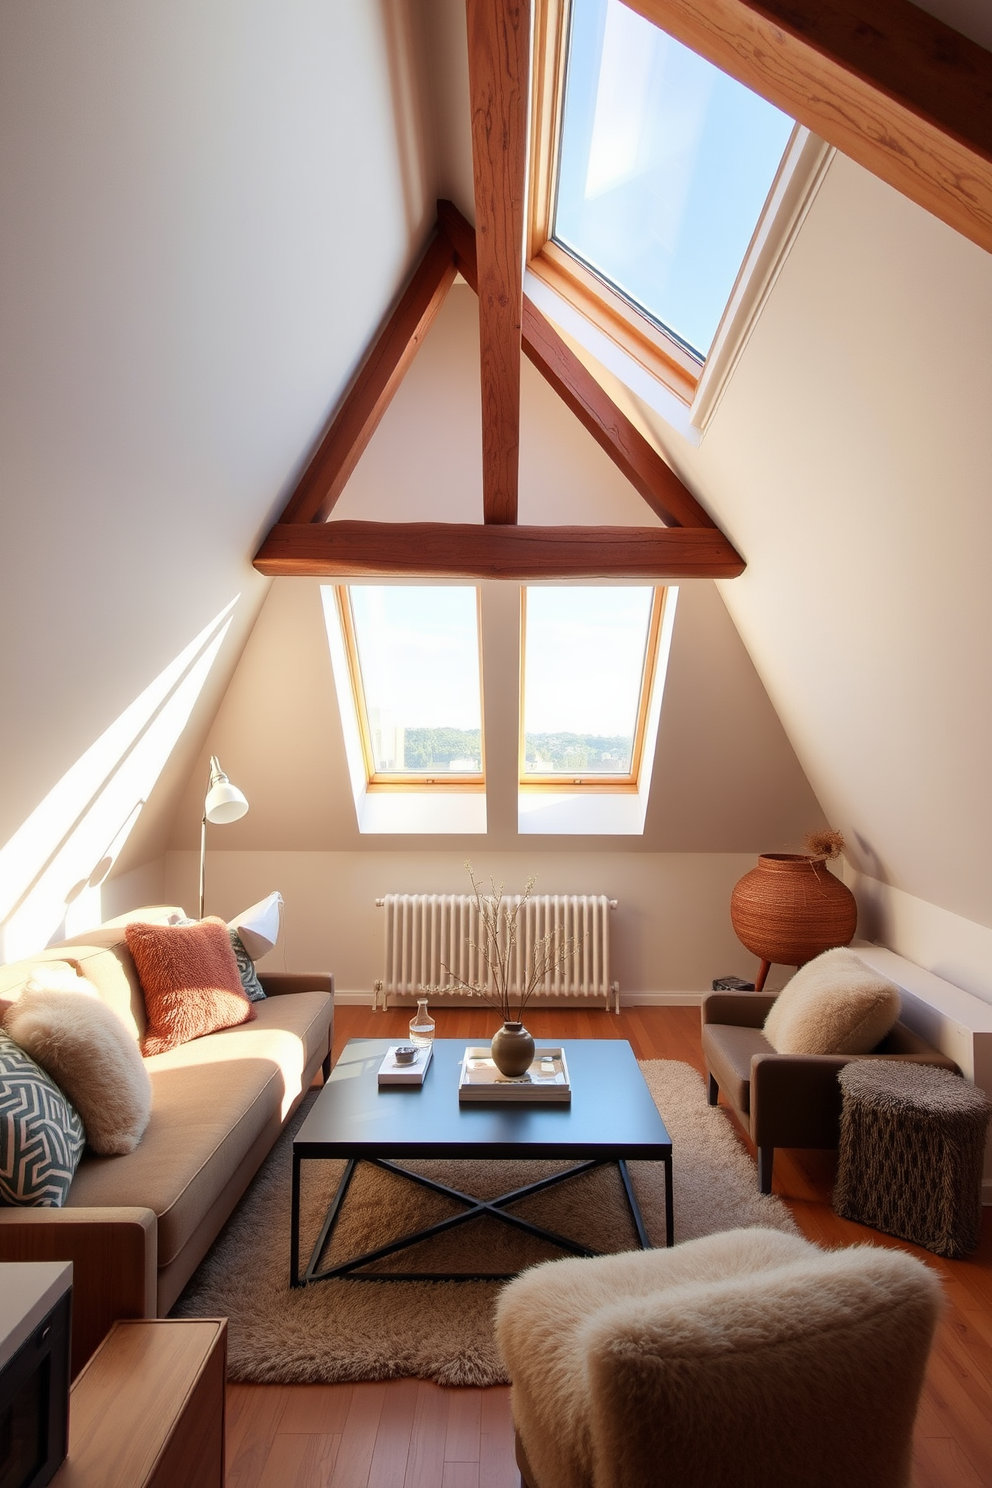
x=114, y=1255
x=740, y=1009
x=278, y=983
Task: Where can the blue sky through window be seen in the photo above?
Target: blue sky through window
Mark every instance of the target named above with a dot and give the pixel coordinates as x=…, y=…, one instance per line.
x=665, y=166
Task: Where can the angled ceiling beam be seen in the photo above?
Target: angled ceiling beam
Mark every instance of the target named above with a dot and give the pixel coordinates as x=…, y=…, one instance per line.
x=892, y=87
x=372, y=390
x=496, y=551
x=634, y=457
x=499, y=73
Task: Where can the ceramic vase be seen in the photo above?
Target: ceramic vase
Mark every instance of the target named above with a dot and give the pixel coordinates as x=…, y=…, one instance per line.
x=512, y=1050
x=791, y=908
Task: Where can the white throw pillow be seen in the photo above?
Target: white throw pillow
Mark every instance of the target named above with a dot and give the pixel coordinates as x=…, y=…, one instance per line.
x=83, y=1046
x=259, y=925
x=835, y=1004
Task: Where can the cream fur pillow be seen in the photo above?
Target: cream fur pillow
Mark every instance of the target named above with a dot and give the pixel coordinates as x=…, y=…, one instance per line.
x=835, y=1004
x=89, y=1054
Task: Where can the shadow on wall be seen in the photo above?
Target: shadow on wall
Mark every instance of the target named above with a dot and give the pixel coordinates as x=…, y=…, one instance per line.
x=52, y=868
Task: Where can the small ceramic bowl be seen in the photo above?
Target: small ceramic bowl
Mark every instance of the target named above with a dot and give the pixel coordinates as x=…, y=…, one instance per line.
x=405, y=1054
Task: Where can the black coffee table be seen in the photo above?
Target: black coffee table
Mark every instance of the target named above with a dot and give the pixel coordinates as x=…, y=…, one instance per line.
x=611, y=1119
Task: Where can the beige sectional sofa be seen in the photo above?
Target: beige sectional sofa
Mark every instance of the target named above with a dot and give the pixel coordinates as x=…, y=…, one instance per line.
x=137, y=1226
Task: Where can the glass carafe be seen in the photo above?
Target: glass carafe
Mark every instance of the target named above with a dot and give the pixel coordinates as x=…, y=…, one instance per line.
x=422, y=1026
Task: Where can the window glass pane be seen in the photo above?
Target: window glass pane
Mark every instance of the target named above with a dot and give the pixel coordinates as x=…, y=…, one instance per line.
x=583, y=672
x=418, y=653
x=664, y=169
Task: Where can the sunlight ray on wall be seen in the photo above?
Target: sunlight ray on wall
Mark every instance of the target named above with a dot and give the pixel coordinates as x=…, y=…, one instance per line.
x=52, y=867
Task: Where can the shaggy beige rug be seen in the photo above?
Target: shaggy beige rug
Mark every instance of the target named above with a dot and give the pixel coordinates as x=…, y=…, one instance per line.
x=366, y=1330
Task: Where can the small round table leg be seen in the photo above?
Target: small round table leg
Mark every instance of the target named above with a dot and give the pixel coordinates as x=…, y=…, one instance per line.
x=763, y=971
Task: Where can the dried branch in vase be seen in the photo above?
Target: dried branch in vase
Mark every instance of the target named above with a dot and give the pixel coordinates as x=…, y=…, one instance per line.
x=497, y=949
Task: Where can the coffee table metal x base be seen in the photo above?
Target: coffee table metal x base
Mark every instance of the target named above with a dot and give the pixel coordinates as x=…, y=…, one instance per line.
x=475, y=1209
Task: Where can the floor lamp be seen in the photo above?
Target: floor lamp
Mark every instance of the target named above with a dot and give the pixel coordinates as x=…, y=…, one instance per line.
x=223, y=803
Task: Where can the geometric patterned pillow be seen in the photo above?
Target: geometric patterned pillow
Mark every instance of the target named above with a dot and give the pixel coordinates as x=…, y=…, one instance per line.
x=246, y=968
x=41, y=1135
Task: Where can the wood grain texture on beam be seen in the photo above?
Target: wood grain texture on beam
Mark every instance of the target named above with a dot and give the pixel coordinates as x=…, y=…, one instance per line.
x=633, y=455
x=612, y=430
x=496, y=551
x=892, y=87
x=372, y=391
x=499, y=71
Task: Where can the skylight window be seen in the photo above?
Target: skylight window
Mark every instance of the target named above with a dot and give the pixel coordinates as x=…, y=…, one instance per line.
x=588, y=662
x=413, y=654
x=664, y=167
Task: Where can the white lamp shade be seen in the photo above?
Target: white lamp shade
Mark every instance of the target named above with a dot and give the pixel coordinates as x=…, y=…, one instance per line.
x=224, y=803
x=259, y=925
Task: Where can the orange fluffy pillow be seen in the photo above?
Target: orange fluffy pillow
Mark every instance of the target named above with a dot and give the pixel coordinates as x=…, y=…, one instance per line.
x=190, y=981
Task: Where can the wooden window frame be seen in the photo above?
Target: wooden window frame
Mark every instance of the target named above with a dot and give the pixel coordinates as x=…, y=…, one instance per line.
x=658, y=352
x=599, y=784
x=407, y=780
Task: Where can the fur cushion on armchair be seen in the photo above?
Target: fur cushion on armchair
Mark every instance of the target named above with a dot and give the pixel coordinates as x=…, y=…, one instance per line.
x=749, y=1357
x=835, y=1004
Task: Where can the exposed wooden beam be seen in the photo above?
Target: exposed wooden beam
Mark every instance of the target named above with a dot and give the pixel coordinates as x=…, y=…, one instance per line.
x=888, y=84
x=499, y=70
x=372, y=391
x=612, y=430
x=461, y=235
x=496, y=551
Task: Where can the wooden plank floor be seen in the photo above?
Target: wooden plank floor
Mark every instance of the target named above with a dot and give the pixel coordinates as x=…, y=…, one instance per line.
x=412, y=1434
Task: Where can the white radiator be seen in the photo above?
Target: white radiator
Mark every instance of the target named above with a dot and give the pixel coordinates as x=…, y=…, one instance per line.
x=427, y=932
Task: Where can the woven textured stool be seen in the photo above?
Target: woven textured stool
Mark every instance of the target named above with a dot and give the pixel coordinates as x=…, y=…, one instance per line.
x=912, y=1139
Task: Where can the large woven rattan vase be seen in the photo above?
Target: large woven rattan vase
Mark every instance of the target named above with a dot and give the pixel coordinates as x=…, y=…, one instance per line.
x=789, y=909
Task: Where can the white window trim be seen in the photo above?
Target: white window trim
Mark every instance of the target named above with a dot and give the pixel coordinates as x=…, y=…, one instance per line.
x=802, y=171
x=801, y=174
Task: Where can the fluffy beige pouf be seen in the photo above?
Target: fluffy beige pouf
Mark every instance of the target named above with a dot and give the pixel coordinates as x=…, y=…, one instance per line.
x=749, y=1358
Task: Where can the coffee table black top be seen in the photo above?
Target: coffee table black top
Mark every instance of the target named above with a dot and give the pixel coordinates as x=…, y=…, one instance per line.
x=611, y=1115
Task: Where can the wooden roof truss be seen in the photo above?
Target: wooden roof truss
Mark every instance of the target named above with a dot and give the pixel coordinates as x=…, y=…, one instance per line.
x=884, y=81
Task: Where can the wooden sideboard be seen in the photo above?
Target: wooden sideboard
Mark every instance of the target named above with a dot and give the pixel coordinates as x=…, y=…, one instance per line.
x=147, y=1411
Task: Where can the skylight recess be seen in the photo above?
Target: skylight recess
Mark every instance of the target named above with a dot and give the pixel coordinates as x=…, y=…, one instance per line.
x=588, y=660
x=416, y=677
x=664, y=166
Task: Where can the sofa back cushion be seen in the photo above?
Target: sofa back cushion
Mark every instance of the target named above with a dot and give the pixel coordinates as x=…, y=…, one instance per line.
x=835, y=1004
x=110, y=969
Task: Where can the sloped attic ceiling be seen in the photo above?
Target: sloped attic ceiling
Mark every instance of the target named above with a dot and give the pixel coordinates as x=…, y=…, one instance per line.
x=207, y=211
x=206, y=208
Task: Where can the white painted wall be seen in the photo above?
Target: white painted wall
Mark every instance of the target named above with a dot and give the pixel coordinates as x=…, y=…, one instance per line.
x=849, y=463
x=670, y=935
x=207, y=208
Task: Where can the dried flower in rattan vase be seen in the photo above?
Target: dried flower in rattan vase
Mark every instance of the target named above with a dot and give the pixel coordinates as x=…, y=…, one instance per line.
x=791, y=908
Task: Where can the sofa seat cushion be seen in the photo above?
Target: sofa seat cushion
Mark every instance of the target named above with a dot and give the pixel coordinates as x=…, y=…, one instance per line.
x=728, y=1052
x=211, y=1099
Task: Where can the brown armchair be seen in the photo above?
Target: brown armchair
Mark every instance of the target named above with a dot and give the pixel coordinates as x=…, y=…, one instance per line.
x=784, y=1100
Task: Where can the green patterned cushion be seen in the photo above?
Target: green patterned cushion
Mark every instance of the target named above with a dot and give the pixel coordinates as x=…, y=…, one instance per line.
x=41, y=1135
x=246, y=968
